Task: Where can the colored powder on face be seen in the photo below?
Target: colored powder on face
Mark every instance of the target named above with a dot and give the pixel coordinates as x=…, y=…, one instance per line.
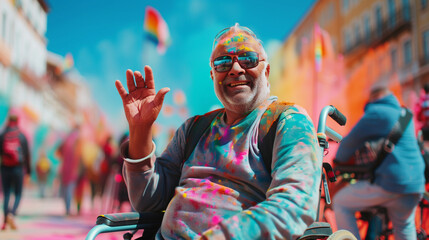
x=242, y=48
x=234, y=38
x=231, y=50
x=245, y=48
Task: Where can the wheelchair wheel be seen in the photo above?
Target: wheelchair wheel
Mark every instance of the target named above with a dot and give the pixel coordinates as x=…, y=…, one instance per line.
x=342, y=235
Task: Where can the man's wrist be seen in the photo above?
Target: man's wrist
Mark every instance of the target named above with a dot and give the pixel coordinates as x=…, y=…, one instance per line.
x=140, y=139
x=126, y=158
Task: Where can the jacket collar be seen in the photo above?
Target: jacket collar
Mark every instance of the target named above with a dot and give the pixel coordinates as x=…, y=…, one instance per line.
x=389, y=100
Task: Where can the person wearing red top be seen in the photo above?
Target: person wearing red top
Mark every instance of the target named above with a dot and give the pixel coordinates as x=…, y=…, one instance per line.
x=15, y=162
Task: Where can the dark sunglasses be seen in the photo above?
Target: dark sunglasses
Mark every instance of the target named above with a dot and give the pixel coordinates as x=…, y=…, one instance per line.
x=246, y=60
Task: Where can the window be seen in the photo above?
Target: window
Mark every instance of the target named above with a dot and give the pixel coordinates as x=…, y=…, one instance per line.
x=3, y=27
x=378, y=20
x=18, y=4
x=2, y=83
x=347, y=40
x=426, y=46
x=394, y=59
x=406, y=9
x=346, y=5
x=367, y=28
x=407, y=53
x=357, y=33
x=11, y=35
x=392, y=17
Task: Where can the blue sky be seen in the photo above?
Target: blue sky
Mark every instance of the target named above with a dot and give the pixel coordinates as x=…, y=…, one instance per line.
x=106, y=38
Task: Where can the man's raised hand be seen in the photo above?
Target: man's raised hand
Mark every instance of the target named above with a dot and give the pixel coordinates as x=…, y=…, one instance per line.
x=141, y=104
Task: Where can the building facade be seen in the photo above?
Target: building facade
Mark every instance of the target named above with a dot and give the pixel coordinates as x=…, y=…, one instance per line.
x=344, y=48
x=47, y=92
x=23, y=54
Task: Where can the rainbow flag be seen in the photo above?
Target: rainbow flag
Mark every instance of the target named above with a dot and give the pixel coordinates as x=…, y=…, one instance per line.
x=68, y=62
x=318, y=47
x=156, y=29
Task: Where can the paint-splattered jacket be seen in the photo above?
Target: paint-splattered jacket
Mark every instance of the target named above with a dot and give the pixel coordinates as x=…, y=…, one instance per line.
x=223, y=190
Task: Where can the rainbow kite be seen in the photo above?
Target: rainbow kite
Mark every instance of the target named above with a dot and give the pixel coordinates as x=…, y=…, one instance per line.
x=156, y=29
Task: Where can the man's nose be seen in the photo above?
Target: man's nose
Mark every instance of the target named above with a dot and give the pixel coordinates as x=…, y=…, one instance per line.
x=236, y=69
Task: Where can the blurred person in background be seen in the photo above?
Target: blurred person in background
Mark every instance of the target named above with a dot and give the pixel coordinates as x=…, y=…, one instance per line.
x=70, y=154
x=15, y=163
x=92, y=157
x=122, y=196
x=422, y=112
x=109, y=157
x=43, y=169
x=399, y=181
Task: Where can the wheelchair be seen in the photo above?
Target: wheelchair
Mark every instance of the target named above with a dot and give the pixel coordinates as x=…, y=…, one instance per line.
x=151, y=221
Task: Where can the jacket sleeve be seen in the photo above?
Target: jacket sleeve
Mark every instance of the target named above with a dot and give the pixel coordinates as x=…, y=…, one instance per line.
x=293, y=196
x=153, y=189
x=373, y=125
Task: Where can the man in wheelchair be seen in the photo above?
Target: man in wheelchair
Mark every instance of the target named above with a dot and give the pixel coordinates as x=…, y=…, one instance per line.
x=397, y=181
x=225, y=186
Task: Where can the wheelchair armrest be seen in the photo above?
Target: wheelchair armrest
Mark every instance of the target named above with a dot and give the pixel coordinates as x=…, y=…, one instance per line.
x=130, y=218
x=317, y=230
x=149, y=221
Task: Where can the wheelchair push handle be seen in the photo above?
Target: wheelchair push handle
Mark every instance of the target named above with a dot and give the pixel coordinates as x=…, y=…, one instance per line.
x=338, y=116
x=334, y=114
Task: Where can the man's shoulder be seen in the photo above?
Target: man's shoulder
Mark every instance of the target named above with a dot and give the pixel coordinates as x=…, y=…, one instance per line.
x=280, y=111
x=211, y=114
x=287, y=108
x=382, y=110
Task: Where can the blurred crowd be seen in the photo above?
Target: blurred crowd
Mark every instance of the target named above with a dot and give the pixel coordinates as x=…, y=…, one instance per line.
x=80, y=165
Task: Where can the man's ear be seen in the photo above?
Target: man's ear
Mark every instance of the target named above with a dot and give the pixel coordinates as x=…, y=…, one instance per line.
x=211, y=74
x=267, y=71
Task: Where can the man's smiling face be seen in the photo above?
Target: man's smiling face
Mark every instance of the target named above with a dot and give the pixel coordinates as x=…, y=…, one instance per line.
x=240, y=89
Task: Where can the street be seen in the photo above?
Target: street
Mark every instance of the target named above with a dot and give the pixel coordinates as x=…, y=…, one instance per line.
x=44, y=219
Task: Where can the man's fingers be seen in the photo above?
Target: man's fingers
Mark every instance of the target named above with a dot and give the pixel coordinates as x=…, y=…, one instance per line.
x=130, y=80
x=149, y=77
x=139, y=79
x=121, y=90
x=159, y=98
